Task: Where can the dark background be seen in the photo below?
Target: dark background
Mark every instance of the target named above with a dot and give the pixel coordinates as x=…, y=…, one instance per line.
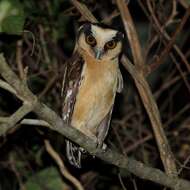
x=47, y=42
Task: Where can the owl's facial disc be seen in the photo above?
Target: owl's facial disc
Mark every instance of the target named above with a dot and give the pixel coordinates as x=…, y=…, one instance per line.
x=100, y=43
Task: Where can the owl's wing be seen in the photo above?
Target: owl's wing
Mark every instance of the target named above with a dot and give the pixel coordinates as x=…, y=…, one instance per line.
x=119, y=81
x=71, y=83
x=103, y=128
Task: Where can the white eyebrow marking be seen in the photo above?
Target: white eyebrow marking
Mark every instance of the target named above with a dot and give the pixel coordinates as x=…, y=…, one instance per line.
x=102, y=35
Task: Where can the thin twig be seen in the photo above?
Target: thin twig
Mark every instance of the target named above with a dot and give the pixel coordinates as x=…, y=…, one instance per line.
x=134, y=184
x=161, y=30
x=157, y=26
x=178, y=114
x=121, y=182
x=61, y=165
x=19, y=58
x=44, y=46
x=34, y=122
x=184, y=164
x=168, y=84
x=184, y=3
x=173, y=38
x=50, y=83
x=17, y=173
x=15, y=117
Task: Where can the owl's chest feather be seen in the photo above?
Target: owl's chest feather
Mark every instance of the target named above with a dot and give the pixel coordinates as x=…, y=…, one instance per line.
x=96, y=94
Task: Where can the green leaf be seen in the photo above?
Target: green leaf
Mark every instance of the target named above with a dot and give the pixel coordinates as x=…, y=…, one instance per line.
x=46, y=179
x=11, y=17
x=13, y=25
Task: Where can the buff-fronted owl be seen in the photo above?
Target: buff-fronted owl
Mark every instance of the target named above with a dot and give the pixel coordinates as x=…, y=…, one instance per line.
x=92, y=78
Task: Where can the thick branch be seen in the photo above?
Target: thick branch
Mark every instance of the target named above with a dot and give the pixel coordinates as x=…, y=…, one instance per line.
x=145, y=91
x=132, y=35
x=21, y=88
x=7, y=87
x=82, y=8
x=10, y=122
x=110, y=156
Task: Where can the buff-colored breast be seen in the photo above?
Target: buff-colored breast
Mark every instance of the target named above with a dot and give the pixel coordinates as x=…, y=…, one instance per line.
x=95, y=96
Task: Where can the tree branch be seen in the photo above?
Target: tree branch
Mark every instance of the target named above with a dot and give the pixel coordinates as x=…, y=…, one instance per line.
x=62, y=167
x=10, y=122
x=145, y=91
x=56, y=123
x=7, y=87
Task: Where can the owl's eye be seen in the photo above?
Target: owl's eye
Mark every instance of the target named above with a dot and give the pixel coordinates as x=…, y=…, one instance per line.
x=91, y=40
x=111, y=44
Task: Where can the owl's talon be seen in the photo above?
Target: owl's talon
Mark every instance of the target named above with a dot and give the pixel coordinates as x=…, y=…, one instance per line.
x=101, y=145
x=104, y=147
x=82, y=150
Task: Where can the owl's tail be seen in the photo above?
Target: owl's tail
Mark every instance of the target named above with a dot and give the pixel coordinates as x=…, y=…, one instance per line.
x=73, y=153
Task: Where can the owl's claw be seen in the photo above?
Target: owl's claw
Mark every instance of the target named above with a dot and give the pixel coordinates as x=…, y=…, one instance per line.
x=101, y=145
x=104, y=147
x=82, y=150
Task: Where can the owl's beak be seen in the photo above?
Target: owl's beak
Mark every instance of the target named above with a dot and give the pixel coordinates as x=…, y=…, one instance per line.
x=98, y=53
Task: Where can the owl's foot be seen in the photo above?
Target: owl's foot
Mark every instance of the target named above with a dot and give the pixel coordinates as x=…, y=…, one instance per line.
x=104, y=146
x=101, y=145
x=82, y=150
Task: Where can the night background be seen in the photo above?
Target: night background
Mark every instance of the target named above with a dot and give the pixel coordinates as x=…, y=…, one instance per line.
x=38, y=37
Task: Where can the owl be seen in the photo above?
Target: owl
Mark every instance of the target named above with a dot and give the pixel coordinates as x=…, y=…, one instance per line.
x=91, y=79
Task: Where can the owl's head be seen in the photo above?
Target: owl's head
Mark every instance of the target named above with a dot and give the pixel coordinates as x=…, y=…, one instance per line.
x=99, y=42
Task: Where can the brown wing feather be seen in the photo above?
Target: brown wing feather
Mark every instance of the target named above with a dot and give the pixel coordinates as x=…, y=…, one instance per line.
x=103, y=128
x=119, y=82
x=71, y=84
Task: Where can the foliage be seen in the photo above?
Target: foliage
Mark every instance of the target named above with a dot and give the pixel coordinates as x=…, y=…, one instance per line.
x=48, y=175
x=11, y=17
